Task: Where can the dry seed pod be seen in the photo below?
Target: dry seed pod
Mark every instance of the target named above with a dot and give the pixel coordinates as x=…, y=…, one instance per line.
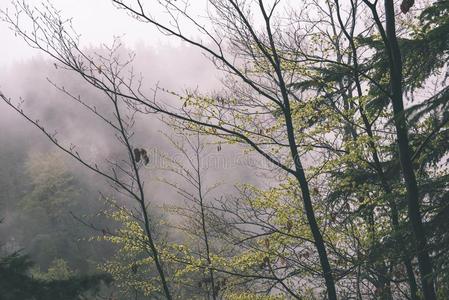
x=406, y=5
x=267, y=243
x=145, y=157
x=136, y=154
x=289, y=226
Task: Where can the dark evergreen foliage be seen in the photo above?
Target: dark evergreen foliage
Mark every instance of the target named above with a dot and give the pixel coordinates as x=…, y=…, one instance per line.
x=17, y=284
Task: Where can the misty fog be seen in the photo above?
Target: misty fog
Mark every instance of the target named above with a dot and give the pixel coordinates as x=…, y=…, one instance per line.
x=222, y=149
x=33, y=80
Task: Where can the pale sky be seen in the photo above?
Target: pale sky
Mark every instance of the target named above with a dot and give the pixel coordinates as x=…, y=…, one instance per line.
x=96, y=20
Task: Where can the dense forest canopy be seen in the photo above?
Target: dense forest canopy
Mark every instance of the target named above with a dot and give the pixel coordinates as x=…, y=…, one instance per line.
x=314, y=167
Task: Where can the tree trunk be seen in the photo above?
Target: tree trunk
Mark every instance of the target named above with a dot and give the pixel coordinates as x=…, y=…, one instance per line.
x=308, y=207
x=424, y=262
